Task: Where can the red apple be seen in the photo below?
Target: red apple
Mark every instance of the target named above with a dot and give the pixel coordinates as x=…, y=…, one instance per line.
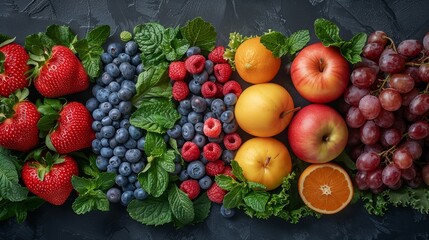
x=317, y=134
x=320, y=74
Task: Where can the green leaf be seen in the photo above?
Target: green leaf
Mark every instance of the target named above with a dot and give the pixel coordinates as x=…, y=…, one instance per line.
x=155, y=76
x=400, y=197
x=237, y=171
x=150, y=38
x=351, y=50
x=327, y=32
x=257, y=200
x=98, y=35
x=155, y=116
x=61, y=35
x=90, y=201
x=89, y=55
x=199, y=33
x=276, y=42
x=10, y=188
x=19, y=209
x=47, y=122
x=234, y=197
x=38, y=44
x=420, y=198
x=375, y=204
x=5, y=40
x=345, y=159
x=82, y=185
x=2, y=58
x=255, y=185
x=166, y=161
x=174, y=48
x=151, y=211
x=181, y=206
x=155, y=180
x=298, y=40
x=201, y=208
x=155, y=145
x=105, y=180
x=225, y=182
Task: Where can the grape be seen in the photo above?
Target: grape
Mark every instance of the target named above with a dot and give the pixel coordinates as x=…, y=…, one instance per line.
x=410, y=117
x=425, y=174
x=353, y=94
x=365, y=62
x=385, y=119
x=378, y=36
x=369, y=133
x=391, y=175
x=408, y=97
x=401, y=82
x=363, y=77
x=423, y=72
x=360, y=180
x=409, y=173
x=426, y=41
x=420, y=104
x=418, y=130
x=374, y=179
x=373, y=50
x=390, y=99
x=410, y=48
x=368, y=161
x=354, y=118
x=390, y=137
x=413, y=72
x=414, y=147
x=402, y=158
x=370, y=106
x=416, y=182
x=391, y=63
x=397, y=186
x=378, y=148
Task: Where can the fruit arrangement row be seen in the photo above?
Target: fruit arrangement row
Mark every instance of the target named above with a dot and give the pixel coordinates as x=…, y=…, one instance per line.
x=161, y=133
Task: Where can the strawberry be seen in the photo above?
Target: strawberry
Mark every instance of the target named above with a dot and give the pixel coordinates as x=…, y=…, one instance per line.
x=72, y=129
x=18, y=122
x=49, y=177
x=58, y=73
x=13, y=66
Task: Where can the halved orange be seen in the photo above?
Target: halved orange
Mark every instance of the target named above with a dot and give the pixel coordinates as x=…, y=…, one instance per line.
x=326, y=188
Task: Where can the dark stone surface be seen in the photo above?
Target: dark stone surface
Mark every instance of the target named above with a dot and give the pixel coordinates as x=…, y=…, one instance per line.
x=400, y=19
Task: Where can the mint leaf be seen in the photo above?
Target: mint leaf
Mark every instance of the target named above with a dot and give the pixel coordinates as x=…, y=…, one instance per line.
x=82, y=185
x=89, y=56
x=225, y=182
x=276, y=42
x=255, y=185
x=174, y=48
x=151, y=211
x=61, y=35
x=155, y=180
x=327, y=32
x=237, y=171
x=155, y=145
x=351, y=50
x=155, y=116
x=166, y=161
x=181, y=206
x=149, y=37
x=152, y=82
x=234, y=197
x=297, y=41
x=98, y=35
x=19, y=209
x=93, y=200
x=257, y=200
x=201, y=208
x=10, y=188
x=105, y=180
x=200, y=33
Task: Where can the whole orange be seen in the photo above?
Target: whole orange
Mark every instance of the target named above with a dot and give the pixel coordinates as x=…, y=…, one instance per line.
x=264, y=110
x=255, y=63
x=264, y=160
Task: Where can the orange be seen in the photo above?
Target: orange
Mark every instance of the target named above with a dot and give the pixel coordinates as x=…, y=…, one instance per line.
x=326, y=188
x=255, y=63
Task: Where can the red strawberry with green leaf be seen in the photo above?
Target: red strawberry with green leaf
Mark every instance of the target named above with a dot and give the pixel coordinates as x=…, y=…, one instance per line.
x=48, y=176
x=13, y=66
x=18, y=122
x=67, y=127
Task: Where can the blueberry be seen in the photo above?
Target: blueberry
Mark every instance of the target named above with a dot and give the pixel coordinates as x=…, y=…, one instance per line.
x=119, y=79
x=188, y=131
x=101, y=163
x=194, y=117
x=201, y=77
x=194, y=87
x=114, y=98
x=227, y=116
x=104, y=142
x=96, y=125
x=230, y=99
x=115, y=114
x=130, y=144
x=116, y=61
x=107, y=131
x=200, y=140
x=205, y=182
x=113, y=143
x=209, y=115
x=125, y=94
x=119, y=151
x=114, y=49
x=132, y=178
x=106, y=78
x=193, y=51
x=166, y=138
x=203, y=159
x=183, y=119
x=212, y=78
x=209, y=101
x=227, y=212
x=129, y=187
x=140, y=143
x=177, y=168
x=124, y=57
x=126, y=197
x=129, y=84
x=136, y=60
x=125, y=107
x=218, y=139
x=183, y=110
x=140, y=194
x=91, y=104
x=106, y=121
x=127, y=70
x=133, y=155
x=183, y=175
x=135, y=132
x=106, y=58
x=113, y=195
x=180, y=142
x=112, y=70
x=125, y=123
x=228, y=155
x=137, y=184
x=137, y=167
x=98, y=135
x=106, y=152
x=114, y=86
x=196, y=169
x=186, y=104
x=96, y=145
x=198, y=104
x=208, y=66
x=218, y=106
x=125, y=168
x=230, y=127
x=115, y=124
x=199, y=126
x=139, y=68
x=230, y=108
x=122, y=135
x=102, y=95
x=121, y=180
x=105, y=107
x=95, y=89
x=111, y=169
x=175, y=131
x=131, y=47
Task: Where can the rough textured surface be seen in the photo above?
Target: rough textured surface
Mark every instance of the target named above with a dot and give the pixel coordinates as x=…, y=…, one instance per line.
x=401, y=19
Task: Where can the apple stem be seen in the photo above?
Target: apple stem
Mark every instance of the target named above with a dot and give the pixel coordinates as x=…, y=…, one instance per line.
x=321, y=65
x=283, y=114
x=267, y=161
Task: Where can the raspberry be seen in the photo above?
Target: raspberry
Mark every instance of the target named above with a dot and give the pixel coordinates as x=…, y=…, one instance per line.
x=222, y=72
x=195, y=64
x=215, y=168
x=180, y=90
x=216, y=55
x=209, y=89
x=212, y=151
x=191, y=187
x=216, y=194
x=177, y=71
x=232, y=87
x=212, y=127
x=232, y=141
x=228, y=171
x=219, y=92
x=190, y=151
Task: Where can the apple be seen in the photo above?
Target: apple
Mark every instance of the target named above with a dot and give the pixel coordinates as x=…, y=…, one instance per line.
x=320, y=74
x=264, y=160
x=317, y=133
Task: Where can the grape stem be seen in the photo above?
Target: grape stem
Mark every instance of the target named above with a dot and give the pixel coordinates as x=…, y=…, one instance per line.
x=392, y=43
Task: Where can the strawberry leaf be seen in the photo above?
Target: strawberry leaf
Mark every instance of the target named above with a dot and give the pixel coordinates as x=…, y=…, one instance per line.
x=61, y=35
x=2, y=59
x=39, y=44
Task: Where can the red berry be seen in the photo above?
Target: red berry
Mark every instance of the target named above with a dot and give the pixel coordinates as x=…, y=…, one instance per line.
x=180, y=90
x=209, y=89
x=219, y=92
x=195, y=64
x=216, y=55
x=232, y=141
x=212, y=127
x=212, y=151
x=232, y=87
x=216, y=194
x=215, y=168
x=228, y=171
x=177, y=71
x=222, y=72
x=191, y=188
x=190, y=151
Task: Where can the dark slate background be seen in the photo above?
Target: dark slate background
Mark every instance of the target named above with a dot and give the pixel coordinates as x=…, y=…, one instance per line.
x=401, y=19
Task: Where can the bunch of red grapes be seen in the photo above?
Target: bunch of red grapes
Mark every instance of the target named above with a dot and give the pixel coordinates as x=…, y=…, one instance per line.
x=387, y=113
